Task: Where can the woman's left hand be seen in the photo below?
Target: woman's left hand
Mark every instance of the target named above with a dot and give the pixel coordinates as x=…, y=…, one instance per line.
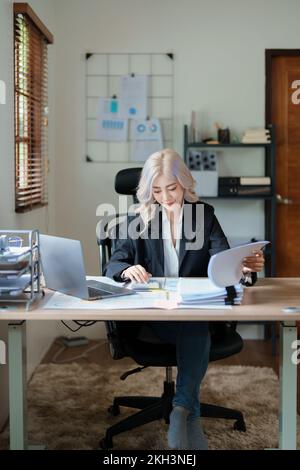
x=254, y=263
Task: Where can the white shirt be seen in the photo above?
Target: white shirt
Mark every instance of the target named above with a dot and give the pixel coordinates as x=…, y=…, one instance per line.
x=171, y=253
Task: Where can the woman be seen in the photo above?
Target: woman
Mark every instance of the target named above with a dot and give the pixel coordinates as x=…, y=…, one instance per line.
x=173, y=239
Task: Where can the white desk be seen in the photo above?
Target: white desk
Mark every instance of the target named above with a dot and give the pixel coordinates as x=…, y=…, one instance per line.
x=262, y=302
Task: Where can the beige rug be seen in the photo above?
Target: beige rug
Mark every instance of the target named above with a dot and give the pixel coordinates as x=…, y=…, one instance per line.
x=68, y=406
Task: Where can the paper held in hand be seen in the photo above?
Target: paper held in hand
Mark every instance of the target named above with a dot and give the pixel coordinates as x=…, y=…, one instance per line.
x=226, y=268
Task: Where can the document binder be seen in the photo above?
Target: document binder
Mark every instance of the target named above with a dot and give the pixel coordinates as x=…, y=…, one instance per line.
x=244, y=190
x=244, y=181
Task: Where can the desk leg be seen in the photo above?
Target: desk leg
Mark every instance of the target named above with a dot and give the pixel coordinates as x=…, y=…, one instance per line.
x=17, y=385
x=288, y=388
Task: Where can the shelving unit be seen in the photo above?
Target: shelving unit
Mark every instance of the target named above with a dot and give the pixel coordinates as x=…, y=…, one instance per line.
x=20, y=269
x=269, y=200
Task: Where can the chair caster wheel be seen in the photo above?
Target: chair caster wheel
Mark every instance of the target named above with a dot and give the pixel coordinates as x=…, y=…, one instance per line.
x=240, y=426
x=105, y=444
x=114, y=410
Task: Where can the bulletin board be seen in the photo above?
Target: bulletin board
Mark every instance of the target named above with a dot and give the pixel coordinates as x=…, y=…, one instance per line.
x=102, y=78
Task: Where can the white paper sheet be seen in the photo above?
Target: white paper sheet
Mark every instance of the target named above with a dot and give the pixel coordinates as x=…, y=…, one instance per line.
x=147, y=138
x=110, y=127
x=226, y=268
x=112, y=130
x=108, y=108
x=145, y=287
x=139, y=300
x=133, y=95
x=201, y=288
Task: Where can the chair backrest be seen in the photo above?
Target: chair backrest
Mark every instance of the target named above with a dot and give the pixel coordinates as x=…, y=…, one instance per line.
x=126, y=182
x=107, y=232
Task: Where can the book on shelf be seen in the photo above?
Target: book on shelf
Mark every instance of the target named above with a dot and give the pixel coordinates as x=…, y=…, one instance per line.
x=255, y=180
x=245, y=190
x=256, y=136
x=255, y=140
x=244, y=180
x=257, y=131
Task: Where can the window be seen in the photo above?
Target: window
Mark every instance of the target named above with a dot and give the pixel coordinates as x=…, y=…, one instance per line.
x=31, y=38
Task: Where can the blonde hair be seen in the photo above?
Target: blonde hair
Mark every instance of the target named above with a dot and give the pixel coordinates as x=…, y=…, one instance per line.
x=167, y=162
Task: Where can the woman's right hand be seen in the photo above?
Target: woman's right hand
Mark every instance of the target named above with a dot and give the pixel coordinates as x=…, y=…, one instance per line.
x=136, y=273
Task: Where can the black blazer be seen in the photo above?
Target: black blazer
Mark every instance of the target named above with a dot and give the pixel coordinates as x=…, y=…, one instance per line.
x=149, y=252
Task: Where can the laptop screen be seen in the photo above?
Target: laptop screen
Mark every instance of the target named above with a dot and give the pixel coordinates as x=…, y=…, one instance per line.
x=63, y=265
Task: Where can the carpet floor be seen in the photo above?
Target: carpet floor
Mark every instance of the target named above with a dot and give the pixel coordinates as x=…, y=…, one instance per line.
x=67, y=406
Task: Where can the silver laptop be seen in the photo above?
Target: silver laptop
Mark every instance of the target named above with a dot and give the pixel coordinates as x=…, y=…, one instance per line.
x=63, y=269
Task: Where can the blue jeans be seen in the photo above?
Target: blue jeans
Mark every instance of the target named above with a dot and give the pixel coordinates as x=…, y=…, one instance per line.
x=192, y=340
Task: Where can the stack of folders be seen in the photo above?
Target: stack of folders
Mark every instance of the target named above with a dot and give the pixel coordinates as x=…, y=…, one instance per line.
x=204, y=291
x=244, y=186
x=256, y=136
x=15, y=274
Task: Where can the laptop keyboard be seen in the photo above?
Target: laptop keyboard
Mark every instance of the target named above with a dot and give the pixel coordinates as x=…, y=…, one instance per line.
x=96, y=292
x=101, y=289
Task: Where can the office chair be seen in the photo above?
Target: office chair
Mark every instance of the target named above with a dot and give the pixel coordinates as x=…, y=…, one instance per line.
x=125, y=340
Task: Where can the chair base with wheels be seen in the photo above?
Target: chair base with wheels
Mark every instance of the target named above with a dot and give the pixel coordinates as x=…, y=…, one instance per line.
x=154, y=408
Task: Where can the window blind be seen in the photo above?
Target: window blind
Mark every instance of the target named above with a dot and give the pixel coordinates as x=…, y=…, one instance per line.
x=31, y=38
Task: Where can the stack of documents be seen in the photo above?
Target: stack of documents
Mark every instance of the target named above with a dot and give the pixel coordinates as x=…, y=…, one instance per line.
x=204, y=291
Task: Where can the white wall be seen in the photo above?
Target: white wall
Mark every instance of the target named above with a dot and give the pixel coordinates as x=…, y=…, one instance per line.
x=219, y=64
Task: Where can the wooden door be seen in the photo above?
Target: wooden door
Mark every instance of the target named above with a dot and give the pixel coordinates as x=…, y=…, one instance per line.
x=284, y=112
